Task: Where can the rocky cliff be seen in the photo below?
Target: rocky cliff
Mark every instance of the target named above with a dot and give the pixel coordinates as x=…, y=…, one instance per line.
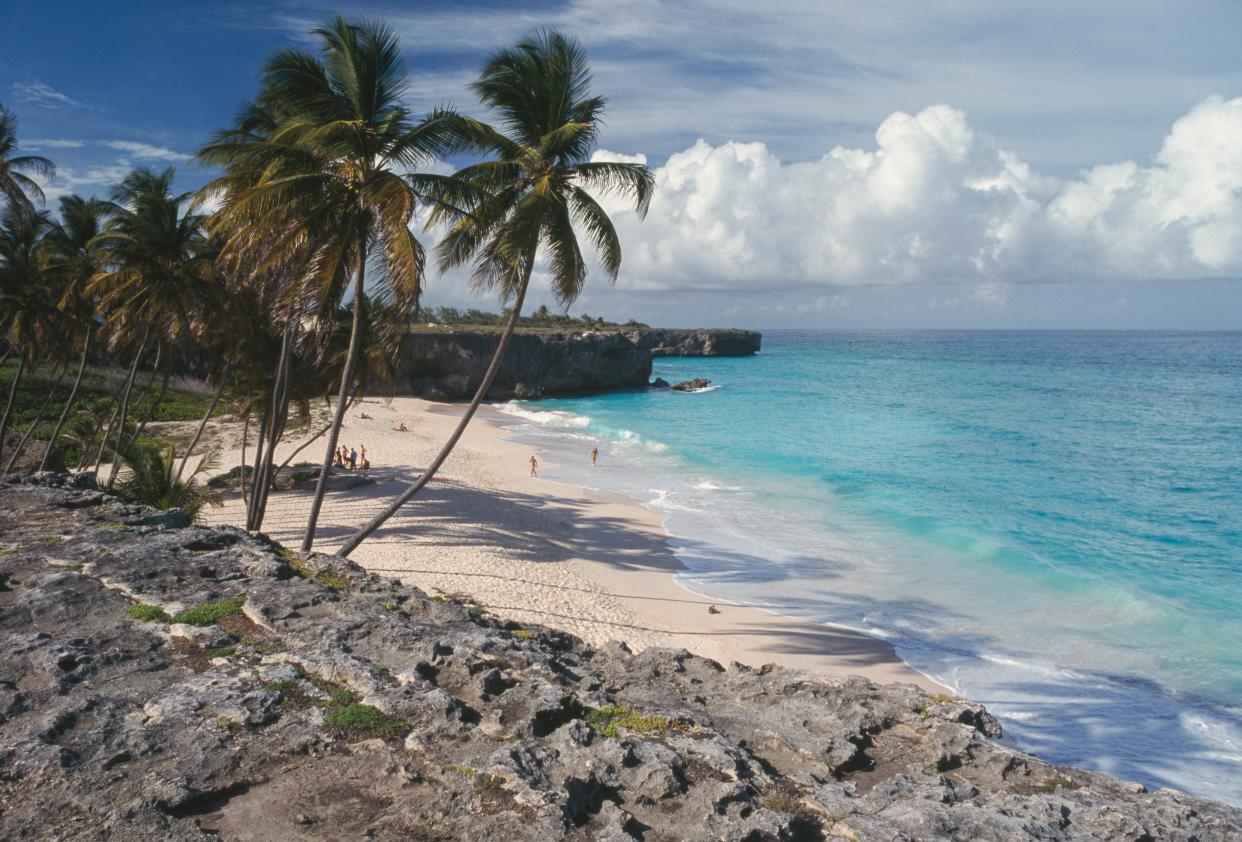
x=449, y=365
x=165, y=682
x=682, y=342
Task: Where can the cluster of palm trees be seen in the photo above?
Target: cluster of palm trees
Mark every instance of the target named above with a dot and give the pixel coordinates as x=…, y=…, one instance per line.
x=307, y=273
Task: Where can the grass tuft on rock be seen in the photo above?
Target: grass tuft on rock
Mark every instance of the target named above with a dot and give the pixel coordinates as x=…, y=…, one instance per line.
x=362, y=721
x=335, y=581
x=610, y=720
x=209, y=613
x=149, y=613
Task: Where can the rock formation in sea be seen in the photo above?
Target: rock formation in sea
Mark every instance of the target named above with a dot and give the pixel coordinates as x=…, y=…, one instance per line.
x=165, y=681
x=449, y=364
x=695, y=385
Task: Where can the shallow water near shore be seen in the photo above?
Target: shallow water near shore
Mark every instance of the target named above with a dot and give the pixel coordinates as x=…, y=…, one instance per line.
x=1048, y=522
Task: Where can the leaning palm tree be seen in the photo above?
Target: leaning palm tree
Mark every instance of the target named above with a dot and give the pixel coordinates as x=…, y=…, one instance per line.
x=528, y=196
x=317, y=186
x=75, y=254
x=29, y=316
x=16, y=186
x=158, y=266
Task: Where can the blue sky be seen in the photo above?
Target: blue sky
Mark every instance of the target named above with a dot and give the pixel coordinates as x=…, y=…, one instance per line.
x=901, y=164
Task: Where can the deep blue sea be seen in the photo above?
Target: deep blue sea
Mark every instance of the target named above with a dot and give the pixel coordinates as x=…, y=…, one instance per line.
x=1049, y=523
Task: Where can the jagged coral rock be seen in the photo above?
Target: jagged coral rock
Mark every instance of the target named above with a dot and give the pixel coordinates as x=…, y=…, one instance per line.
x=340, y=705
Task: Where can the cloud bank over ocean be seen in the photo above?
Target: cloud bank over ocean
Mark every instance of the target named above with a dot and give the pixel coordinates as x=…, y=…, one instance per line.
x=937, y=202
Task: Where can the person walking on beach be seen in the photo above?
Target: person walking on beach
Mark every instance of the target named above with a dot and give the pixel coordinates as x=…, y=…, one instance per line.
x=534, y=467
x=362, y=456
x=594, y=456
x=353, y=459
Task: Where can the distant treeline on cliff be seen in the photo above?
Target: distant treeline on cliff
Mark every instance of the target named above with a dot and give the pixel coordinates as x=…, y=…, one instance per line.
x=540, y=317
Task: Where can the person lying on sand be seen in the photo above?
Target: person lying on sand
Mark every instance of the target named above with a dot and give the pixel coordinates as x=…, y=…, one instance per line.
x=534, y=467
x=401, y=428
x=364, y=416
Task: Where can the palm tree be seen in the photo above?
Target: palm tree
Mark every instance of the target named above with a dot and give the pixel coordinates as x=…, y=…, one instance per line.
x=528, y=196
x=317, y=184
x=149, y=479
x=16, y=187
x=29, y=317
x=75, y=254
x=159, y=266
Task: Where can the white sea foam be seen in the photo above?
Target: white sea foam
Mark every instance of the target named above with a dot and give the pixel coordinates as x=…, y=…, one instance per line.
x=813, y=566
x=545, y=418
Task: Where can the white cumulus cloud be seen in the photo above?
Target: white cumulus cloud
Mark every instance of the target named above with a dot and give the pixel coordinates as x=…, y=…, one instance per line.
x=933, y=201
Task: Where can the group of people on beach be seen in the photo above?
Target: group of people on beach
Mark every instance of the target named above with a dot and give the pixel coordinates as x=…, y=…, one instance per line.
x=350, y=458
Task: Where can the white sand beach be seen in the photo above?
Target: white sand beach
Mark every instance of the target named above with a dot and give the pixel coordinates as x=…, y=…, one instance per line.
x=539, y=552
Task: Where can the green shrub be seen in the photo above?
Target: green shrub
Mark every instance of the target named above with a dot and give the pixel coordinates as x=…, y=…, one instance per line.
x=364, y=721
x=208, y=614
x=335, y=581
x=148, y=613
x=609, y=720
x=150, y=477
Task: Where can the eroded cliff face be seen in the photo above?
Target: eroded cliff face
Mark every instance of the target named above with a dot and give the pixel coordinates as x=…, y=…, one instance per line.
x=449, y=365
x=697, y=342
x=165, y=682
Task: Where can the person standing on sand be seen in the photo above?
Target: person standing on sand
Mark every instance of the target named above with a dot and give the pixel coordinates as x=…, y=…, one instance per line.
x=353, y=459
x=534, y=466
x=594, y=456
x=362, y=456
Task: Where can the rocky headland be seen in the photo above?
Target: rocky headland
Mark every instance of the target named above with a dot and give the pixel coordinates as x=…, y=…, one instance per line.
x=448, y=364
x=167, y=681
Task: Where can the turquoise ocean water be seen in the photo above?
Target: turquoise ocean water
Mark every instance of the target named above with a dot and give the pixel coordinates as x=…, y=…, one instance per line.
x=1048, y=522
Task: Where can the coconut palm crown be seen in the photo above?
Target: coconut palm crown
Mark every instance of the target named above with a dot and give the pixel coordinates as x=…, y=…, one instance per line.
x=528, y=196
x=313, y=196
x=16, y=185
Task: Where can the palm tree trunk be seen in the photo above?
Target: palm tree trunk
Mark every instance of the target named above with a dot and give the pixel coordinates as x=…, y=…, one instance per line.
x=378, y=521
x=38, y=417
x=133, y=437
x=90, y=442
x=73, y=393
x=280, y=396
x=122, y=412
x=241, y=479
x=116, y=411
x=8, y=407
x=267, y=432
x=159, y=399
x=342, y=401
x=202, y=425
x=253, y=480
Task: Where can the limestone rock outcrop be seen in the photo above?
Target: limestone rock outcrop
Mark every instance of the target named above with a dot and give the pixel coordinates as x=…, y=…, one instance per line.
x=449, y=364
x=165, y=681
